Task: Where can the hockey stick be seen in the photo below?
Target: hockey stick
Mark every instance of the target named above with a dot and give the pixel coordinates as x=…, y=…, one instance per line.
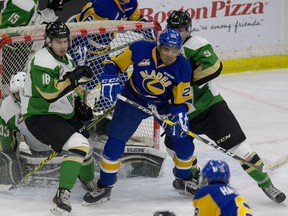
x=277, y=164
x=82, y=52
x=190, y=133
x=54, y=154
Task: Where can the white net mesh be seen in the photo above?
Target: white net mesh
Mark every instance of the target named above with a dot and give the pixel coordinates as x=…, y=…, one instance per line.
x=102, y=38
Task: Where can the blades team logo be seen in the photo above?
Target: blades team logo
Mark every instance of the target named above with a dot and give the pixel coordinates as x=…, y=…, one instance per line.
x=154, y=82
x=144, y=62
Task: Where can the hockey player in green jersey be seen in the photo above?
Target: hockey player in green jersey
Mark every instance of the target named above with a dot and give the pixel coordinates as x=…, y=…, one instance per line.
x=210, y=114
x=23, y=13
x=49, y=113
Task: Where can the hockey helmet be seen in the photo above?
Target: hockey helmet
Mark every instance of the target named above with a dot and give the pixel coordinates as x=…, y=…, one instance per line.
x=170, y=37
x=216, y=171
x=17, y=82
x=179, y=19
x=57, y=29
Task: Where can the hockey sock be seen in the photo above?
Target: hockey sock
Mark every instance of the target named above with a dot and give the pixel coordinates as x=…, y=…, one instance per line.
x=183, y=167
x=262, y=178
x=87, y=170
x=69, y=171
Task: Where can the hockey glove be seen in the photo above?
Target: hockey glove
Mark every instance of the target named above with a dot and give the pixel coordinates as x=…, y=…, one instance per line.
x=180, y=127
x=44, y=16
x=56, y=5
x=110, y=86
x=83, y=112
x=80, y=75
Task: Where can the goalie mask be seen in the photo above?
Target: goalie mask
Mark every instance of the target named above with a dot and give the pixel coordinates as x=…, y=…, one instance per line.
x=179, y=19
x=56, y=29
x=17, y=82
x=215, y=171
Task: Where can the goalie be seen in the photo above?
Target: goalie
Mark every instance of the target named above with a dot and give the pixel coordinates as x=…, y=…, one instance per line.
x=12, y=127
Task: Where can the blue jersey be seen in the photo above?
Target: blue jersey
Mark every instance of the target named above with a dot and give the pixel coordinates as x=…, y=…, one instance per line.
x=106, y=10
x=99, y=45
x=220, y=200
x=109, y=10
x=153, y=82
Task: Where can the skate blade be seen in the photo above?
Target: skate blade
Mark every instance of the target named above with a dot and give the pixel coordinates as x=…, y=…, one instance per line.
x=186, y=194
x=58, y=211
x=84, y=203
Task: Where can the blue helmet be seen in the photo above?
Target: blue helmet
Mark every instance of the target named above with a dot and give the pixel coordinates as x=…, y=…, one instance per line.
x=170, y=37
x=216, y=171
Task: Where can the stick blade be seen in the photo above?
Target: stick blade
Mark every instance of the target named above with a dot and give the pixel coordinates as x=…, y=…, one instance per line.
x=276, y=164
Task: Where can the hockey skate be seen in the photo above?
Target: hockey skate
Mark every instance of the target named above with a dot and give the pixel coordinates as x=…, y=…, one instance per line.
x=186, y=187
x=98, y=195
x=61, y=202
x=274, y=194
x=89, y=186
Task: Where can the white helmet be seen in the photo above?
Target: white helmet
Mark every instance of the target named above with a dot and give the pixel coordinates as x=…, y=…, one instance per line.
x=17, y=81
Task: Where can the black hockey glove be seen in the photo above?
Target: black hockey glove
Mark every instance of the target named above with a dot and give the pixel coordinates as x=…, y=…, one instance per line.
x=56, y=5
x=82, y=111
x=80, y=75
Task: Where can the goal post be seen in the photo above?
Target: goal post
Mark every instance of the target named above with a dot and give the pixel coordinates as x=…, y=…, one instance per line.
x=103, y=38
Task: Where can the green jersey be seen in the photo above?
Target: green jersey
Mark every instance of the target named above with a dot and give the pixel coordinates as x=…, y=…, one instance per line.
x=8, y=126
x=18, y=13
x=206, y=66
x=45, y=91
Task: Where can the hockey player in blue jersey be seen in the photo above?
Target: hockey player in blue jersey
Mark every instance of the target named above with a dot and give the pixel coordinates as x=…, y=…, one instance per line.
x=216, y=197
x=160, y=80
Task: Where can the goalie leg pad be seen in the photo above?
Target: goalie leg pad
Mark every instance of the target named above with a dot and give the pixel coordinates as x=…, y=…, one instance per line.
x=10, y=168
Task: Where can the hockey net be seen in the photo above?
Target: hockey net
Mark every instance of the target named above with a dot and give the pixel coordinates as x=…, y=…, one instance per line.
x=102, y=38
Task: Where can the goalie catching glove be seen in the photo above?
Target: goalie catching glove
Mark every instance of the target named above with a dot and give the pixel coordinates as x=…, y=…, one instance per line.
x=79, y=75
x=110, y=86
x=180, y=126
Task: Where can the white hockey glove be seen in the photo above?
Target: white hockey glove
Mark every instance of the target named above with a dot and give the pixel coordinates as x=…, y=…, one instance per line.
x=181, y=125
x=110, y=86
x=44, y=16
